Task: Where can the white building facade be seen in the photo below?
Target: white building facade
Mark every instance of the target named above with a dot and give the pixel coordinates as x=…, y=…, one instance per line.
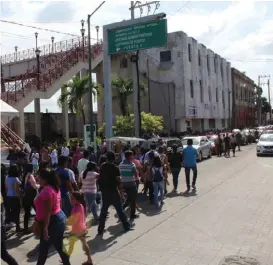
x=202, y=81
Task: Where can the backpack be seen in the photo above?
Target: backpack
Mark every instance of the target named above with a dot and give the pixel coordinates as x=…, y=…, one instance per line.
x=157, y=174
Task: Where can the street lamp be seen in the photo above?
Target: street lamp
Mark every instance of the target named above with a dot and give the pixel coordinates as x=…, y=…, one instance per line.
x=82, y=32
x=16, y=49
x=36, y=37
x=52, y=44
x=38, y=52
x=97, y=29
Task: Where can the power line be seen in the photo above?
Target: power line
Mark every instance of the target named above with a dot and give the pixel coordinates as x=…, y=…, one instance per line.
x=184, y=5
x=39, y=28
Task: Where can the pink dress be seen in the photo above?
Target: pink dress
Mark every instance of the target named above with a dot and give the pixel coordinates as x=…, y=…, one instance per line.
x=138, y=166
x=47, y=193
x=78, y=220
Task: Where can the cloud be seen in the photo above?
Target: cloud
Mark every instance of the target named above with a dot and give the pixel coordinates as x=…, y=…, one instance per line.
x=56, y=11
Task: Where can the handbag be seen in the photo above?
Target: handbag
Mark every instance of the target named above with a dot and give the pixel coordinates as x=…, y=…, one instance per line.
x=38, y=228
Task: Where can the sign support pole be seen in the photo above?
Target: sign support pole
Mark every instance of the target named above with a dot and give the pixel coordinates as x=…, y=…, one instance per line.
x=107, y=85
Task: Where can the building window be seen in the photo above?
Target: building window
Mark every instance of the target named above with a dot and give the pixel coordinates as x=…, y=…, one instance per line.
x=208, y=64
x=201, y=91
x=123, y=63
x=191, y=87
x=223, y=123
x=215, y=64
x=246, y=96
x=192, y=111
x=189, y=51
x=241, y=93
x=212, y=123
x=237, y=91
x=199, y=58
x=217, y=96
x=209, y=89
x=206, y=106
x=223, y=99
x=165, y=56
x=222, y=71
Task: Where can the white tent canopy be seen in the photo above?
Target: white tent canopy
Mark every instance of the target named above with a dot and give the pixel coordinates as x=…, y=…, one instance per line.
x=7, y=112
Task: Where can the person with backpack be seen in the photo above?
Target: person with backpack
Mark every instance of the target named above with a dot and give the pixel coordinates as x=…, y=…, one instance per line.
x=158, y=180
x=175, y=160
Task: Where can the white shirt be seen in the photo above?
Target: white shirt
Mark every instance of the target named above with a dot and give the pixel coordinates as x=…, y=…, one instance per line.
x=146, y=157
x=65, y=151
x=35, y=158
x=54, y=157
x=71, y=175
x=82, y=165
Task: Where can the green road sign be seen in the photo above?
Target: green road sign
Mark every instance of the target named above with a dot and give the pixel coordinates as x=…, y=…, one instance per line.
x=136, y=37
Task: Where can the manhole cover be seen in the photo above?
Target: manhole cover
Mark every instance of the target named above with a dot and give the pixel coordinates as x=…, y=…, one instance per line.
x=239, y=260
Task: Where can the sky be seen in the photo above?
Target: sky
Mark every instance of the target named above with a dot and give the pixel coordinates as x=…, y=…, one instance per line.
x=240, y=31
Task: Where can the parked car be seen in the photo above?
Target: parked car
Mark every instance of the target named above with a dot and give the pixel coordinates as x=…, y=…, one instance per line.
x=244, y=140
x=250, y=134
x=167, y=141
x=265, y=145
x=202, y=144
x=212, y=139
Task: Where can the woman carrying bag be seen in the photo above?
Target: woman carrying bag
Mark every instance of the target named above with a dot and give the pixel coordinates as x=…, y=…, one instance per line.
x=50, y=220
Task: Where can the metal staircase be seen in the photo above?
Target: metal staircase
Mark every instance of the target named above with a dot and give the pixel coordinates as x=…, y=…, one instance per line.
x=55, y=69
x=9, y=137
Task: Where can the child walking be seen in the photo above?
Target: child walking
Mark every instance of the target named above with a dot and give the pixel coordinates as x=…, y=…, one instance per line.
x=77, y=221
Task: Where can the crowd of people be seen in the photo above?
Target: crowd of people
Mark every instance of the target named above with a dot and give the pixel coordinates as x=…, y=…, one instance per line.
x=63, y=189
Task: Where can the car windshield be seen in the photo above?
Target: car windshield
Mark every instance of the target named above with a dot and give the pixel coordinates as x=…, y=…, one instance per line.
x=170, y=143
x=196, y=141
x=267, y=138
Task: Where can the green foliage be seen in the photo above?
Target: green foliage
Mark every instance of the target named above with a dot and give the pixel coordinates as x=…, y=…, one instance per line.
x=73, y=93
x=149, y=123
x=266, y=108
x=123, y=88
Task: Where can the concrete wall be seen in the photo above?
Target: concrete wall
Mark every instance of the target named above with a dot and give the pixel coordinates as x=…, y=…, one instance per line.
x=209, y=104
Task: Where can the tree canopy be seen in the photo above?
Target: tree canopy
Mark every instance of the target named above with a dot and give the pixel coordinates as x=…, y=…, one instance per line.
x=73, y=93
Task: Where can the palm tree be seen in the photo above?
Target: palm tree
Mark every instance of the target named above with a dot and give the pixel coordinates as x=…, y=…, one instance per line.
x=73, y=93
x=123, y=89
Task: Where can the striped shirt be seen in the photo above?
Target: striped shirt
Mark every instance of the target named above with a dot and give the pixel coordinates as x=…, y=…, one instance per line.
x=89, y=184
x=127, y=171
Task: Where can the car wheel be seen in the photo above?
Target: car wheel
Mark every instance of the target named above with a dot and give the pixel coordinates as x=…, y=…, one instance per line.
x=259, y=155
x=200, y=157
x=209, y=155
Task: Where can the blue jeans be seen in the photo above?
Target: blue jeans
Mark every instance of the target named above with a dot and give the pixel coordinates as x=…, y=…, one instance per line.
x=158, y=187
x=187, y=173
x=91, y=204
x=175, y=173
x=56, y=230
x=66, y=204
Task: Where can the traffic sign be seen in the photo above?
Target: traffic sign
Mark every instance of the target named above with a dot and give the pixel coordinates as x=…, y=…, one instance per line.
x=137, y=37
x=87, y=138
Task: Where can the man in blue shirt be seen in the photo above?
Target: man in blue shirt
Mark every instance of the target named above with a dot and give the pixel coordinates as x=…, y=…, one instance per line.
x=190, y=154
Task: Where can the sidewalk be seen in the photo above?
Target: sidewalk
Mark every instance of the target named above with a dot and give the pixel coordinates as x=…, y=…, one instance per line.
x=230, y=215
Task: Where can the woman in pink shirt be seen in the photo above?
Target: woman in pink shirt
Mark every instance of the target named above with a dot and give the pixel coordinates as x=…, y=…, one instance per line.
x=76, y=157
x=77, y=221
x=50, y=220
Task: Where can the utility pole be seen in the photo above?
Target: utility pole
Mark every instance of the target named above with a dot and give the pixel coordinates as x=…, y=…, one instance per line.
x=269, y=98
x=259, y=103
x=262, y=77
x=149, y=90
x=135, y=74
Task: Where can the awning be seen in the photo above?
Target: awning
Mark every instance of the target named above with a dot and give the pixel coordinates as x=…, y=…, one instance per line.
x=7, y=112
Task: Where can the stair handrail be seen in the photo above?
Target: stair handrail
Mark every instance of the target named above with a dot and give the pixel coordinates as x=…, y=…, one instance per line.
x=25, y=75
x=52, y=67
x=12, y=133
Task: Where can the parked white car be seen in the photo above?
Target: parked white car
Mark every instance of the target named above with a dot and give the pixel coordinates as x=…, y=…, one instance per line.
x=202, y=144
x=265, y=145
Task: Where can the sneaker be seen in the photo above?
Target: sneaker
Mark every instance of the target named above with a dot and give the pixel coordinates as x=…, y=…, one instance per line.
x=10, y=225
x=129, y=227
x=193, y=187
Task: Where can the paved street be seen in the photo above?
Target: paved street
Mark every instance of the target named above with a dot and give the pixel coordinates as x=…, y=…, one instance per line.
x=231, y=215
